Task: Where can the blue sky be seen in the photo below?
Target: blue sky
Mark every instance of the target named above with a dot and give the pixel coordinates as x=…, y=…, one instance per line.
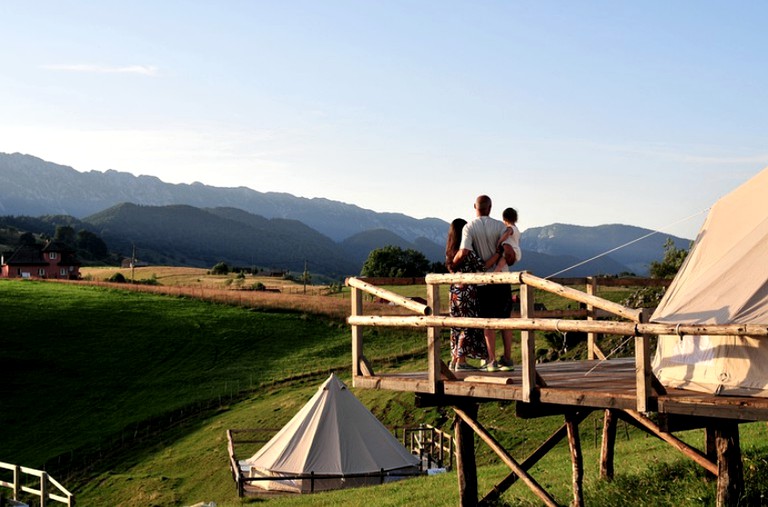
x=588, y=113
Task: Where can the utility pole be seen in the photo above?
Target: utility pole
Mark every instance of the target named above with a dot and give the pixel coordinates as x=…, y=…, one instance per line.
x=306, y=275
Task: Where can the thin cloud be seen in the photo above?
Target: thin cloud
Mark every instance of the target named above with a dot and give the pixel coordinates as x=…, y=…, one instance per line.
x=144, y=70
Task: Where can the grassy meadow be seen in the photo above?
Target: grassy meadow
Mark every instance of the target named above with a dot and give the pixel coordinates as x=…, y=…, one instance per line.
x=125, y=398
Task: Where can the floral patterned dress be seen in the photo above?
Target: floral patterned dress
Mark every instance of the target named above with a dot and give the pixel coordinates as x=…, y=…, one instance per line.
x=467, y=342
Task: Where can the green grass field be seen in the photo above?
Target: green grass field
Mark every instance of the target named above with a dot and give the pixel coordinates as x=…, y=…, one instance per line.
x=125, y=398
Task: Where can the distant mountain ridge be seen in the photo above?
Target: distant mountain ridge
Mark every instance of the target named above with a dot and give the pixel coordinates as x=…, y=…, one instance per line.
x=200, y=225
x=32, y=186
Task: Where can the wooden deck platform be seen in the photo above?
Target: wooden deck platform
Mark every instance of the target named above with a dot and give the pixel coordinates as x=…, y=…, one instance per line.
x=593, y=384
x=622, y=388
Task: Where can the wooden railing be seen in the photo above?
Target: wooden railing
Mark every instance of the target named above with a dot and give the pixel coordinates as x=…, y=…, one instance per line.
x=46, y=483
x=634, y=323
x=430, y=444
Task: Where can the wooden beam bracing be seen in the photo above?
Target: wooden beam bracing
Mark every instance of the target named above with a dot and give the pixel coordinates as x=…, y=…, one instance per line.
x=543, y=495
x=675, y=442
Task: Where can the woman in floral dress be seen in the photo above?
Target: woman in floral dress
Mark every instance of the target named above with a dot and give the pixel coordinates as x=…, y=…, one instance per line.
x=465, y=342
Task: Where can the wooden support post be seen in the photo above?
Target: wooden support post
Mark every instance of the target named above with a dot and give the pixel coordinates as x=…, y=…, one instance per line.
x=357, y=333
x=433, y=342
x=730, y=474
x=466, y=467
x=527, y=343
x=608, y=445
x=532, y=459
x=506, y=458
x=577, y=461
x=710, y=447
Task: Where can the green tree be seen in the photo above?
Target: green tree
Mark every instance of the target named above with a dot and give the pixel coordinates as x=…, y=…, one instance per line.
x=92, y=243
x=393, y=261
x=671, y=263
x=27, y=239
x=222, y=268
x=65, y=234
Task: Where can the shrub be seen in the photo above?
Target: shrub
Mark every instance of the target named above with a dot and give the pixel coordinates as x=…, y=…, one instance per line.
x=116, y=278
x=222, y=268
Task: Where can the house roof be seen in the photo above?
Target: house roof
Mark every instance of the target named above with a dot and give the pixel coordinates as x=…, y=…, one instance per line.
x=32, y=255
x=57, y=246
x=26, y=255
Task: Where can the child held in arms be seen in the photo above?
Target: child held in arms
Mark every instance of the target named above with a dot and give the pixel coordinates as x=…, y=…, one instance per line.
x=511, y=237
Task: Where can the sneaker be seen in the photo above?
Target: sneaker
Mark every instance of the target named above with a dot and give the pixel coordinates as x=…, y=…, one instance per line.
x=506, y=364
x=492, y=366
x=465, y=367
x=452, y=365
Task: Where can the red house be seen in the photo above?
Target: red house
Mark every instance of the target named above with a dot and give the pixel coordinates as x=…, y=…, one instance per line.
x=52, y=260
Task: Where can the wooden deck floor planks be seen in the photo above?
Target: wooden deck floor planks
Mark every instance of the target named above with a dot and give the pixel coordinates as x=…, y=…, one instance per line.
x=595, y=384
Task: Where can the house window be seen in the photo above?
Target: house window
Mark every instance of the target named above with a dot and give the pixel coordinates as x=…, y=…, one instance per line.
x=52, y=255
x=41, y=272
x=63, y=271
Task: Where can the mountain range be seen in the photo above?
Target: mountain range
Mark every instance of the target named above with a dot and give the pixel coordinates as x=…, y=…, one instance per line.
x=200, y=225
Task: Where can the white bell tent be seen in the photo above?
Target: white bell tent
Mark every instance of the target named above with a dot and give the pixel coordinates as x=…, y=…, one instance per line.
x=333, y=435
x=724, y=280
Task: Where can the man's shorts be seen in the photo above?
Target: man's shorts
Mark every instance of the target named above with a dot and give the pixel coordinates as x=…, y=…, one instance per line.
x=494, y=301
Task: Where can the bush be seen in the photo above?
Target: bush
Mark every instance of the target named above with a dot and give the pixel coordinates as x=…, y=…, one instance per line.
x=117, y=278
x=222, y=268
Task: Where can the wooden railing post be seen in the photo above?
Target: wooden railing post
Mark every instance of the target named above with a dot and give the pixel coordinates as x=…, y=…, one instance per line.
x=527, y=343
x=16, y=482
x=591, y=336
x=643, y=369
x=433, y=339
x=43, y=489
x=357, y=333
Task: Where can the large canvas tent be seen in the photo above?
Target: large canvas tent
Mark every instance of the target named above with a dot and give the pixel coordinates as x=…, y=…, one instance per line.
x=724, y=280
x=332, y=435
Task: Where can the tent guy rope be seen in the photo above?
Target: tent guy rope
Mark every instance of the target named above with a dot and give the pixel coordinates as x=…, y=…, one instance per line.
x=656, y=231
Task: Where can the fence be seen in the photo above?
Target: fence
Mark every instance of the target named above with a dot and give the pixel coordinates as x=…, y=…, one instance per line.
x=432, y=445
x=426, y=443
x=45, y=484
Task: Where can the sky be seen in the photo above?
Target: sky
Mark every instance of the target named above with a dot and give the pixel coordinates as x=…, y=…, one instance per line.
x=587, y=113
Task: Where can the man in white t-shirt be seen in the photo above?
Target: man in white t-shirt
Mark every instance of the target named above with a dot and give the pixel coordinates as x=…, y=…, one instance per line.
x=482, y=235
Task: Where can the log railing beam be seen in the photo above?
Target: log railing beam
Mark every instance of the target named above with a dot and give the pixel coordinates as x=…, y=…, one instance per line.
x=390, y=296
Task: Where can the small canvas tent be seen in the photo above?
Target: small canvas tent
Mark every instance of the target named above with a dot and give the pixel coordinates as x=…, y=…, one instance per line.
x=332, y=435
x=724, y=280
